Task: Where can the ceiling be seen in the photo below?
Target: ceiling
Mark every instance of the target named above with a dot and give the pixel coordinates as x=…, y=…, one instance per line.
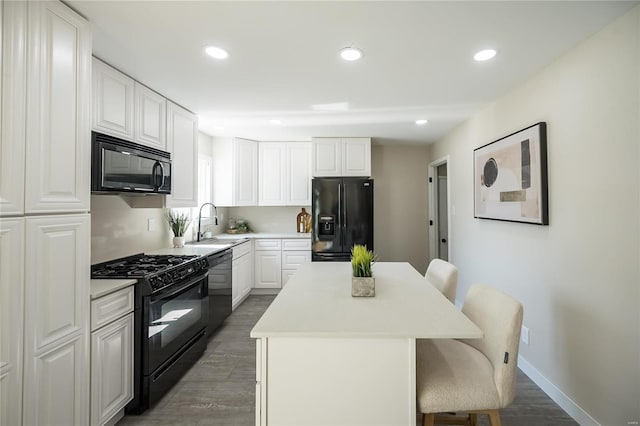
x=284, y=58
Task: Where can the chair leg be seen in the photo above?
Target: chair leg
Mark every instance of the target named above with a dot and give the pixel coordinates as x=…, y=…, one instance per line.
x=494, y=417
x=427, y=419
x=473, y=419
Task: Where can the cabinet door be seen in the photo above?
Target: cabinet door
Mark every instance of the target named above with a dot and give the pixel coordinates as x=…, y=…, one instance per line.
x=12, y=106
x=58, y=110
x=11, y=319
x=56, y=385
x=56, y=367
x=112, y=101
x=356, y=157
x=272, y=174
x=151, y=113
x=293, y=259
x=235, y=282
x=268, y=270
x=182, y=143
x=326, y=157
x=245, y=172
x=298, y=178
x=246, y=274
x=111, y=369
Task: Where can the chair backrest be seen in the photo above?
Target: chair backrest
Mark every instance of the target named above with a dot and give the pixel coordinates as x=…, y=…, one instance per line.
x=443, y=276
x=500, y=318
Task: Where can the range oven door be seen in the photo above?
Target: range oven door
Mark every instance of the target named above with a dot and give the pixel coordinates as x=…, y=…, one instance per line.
x=172, y=317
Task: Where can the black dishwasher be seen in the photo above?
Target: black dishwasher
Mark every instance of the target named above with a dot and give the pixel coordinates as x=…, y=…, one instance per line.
x=220, y=282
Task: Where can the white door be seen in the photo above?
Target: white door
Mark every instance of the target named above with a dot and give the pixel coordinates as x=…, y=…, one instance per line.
x=443, y=220
x=245, y=172
x=326, y=157
x=268, y=269
x=182, y=143
x=356, y=157
x=58, y=110
x=151, y=113
x=112, y=101
x=236, y=284
x=298, y=179
x=11, y=319
x=271, y=174
x=56, y=353
x=246, y=274
x=13, y=19
x=111, y=369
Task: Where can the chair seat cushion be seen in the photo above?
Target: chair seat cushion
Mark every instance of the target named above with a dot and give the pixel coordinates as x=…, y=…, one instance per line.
x=453, y=376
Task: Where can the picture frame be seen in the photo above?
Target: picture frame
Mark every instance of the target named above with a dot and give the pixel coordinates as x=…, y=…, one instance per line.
x=510, y=177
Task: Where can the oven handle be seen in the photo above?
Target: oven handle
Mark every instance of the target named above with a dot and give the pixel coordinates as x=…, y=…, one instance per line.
x=171, y=291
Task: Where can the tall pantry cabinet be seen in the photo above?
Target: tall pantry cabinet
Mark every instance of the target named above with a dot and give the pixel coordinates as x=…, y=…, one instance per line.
x=44, y=203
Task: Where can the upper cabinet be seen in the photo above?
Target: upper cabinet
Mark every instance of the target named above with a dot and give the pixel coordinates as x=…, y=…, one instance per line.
x=112, y=101
x=126, y=109
x=182, y=143
x=13, y=62
x=151, y=112
x=235, y=172
x=341, y=157
x=284, y=173
x=57, y=173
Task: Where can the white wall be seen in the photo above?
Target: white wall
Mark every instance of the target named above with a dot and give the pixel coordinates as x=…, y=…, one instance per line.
x=578, y=278
x=400, y=213
x=269, y=219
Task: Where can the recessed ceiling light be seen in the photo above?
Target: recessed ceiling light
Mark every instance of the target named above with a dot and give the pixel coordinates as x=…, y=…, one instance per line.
x=421, y=122
x=275, y=122
x=484, y=55
x=351, y=54
x=216, y=52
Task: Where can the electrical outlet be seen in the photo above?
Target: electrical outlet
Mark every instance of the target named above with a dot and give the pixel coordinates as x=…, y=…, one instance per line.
x=524, y=335
x=152, y=225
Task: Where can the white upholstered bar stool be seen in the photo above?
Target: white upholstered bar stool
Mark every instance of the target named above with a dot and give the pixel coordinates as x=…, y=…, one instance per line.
x=472, y=376
x=443, y=276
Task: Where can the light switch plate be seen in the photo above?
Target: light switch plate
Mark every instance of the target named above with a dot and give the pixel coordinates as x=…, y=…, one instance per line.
x=152, y=225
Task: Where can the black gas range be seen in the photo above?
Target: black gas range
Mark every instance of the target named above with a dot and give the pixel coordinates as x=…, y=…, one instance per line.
x=170, y=318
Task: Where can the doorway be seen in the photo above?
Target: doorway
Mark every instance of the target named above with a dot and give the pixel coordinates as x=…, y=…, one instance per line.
x=438, y=188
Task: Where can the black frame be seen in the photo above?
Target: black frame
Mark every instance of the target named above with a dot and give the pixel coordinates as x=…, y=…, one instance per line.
x=533, y=174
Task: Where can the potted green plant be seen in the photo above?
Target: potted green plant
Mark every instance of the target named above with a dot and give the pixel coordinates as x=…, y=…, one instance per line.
x=178, y=222
x=362, y=282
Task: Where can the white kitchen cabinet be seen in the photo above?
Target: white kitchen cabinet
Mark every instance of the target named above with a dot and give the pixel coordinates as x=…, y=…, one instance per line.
x=268, y=269
x=235, y=172
x=56, y=336
x=242, y=273
x=111, y=369
x=11, y=319
x=284, y=173
x=272, y=174
x=151, y=115
x=295, y=252
x=113, y=107
x=58, y=110
x=341, y=157
x=182, y=143
x=13, y=17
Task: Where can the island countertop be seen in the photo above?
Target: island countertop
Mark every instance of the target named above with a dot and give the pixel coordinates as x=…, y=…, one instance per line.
x=317, y=302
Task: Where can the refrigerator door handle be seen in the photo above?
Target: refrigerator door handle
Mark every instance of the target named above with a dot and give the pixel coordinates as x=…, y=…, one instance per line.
x=340, y=218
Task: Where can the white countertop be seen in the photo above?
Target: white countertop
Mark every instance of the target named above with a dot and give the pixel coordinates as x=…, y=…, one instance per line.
x=199, y=250
x=317, y=302
x=265, y=235
x=101, y=288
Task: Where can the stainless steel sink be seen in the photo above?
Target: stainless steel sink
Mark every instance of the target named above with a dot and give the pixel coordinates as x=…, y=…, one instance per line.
x=217, y=242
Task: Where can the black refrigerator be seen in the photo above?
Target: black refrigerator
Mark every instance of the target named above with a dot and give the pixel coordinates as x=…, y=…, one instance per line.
x=342, y=212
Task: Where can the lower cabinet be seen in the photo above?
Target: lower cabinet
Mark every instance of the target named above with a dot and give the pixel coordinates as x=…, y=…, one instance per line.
x=111, y=355
x=242, y=273
x=277, y=259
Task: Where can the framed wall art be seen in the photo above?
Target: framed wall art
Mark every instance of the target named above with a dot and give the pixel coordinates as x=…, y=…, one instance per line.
x=510, y=177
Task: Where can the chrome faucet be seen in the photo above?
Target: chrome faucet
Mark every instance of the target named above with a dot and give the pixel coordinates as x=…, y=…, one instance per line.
x=215, y=217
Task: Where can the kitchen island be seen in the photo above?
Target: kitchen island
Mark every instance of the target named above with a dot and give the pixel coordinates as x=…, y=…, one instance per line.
x=324, y=357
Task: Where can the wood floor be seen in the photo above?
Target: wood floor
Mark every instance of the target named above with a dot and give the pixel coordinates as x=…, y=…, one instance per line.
x=220, y=388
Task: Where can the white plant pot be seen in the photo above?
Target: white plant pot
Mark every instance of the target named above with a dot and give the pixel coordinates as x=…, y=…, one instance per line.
x=178, y=242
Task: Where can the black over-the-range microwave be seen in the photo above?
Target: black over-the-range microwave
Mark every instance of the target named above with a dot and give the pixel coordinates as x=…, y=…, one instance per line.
x=118, y=165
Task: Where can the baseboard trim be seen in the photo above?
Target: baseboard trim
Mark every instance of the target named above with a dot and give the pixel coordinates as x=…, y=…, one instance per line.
x=567, y=404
